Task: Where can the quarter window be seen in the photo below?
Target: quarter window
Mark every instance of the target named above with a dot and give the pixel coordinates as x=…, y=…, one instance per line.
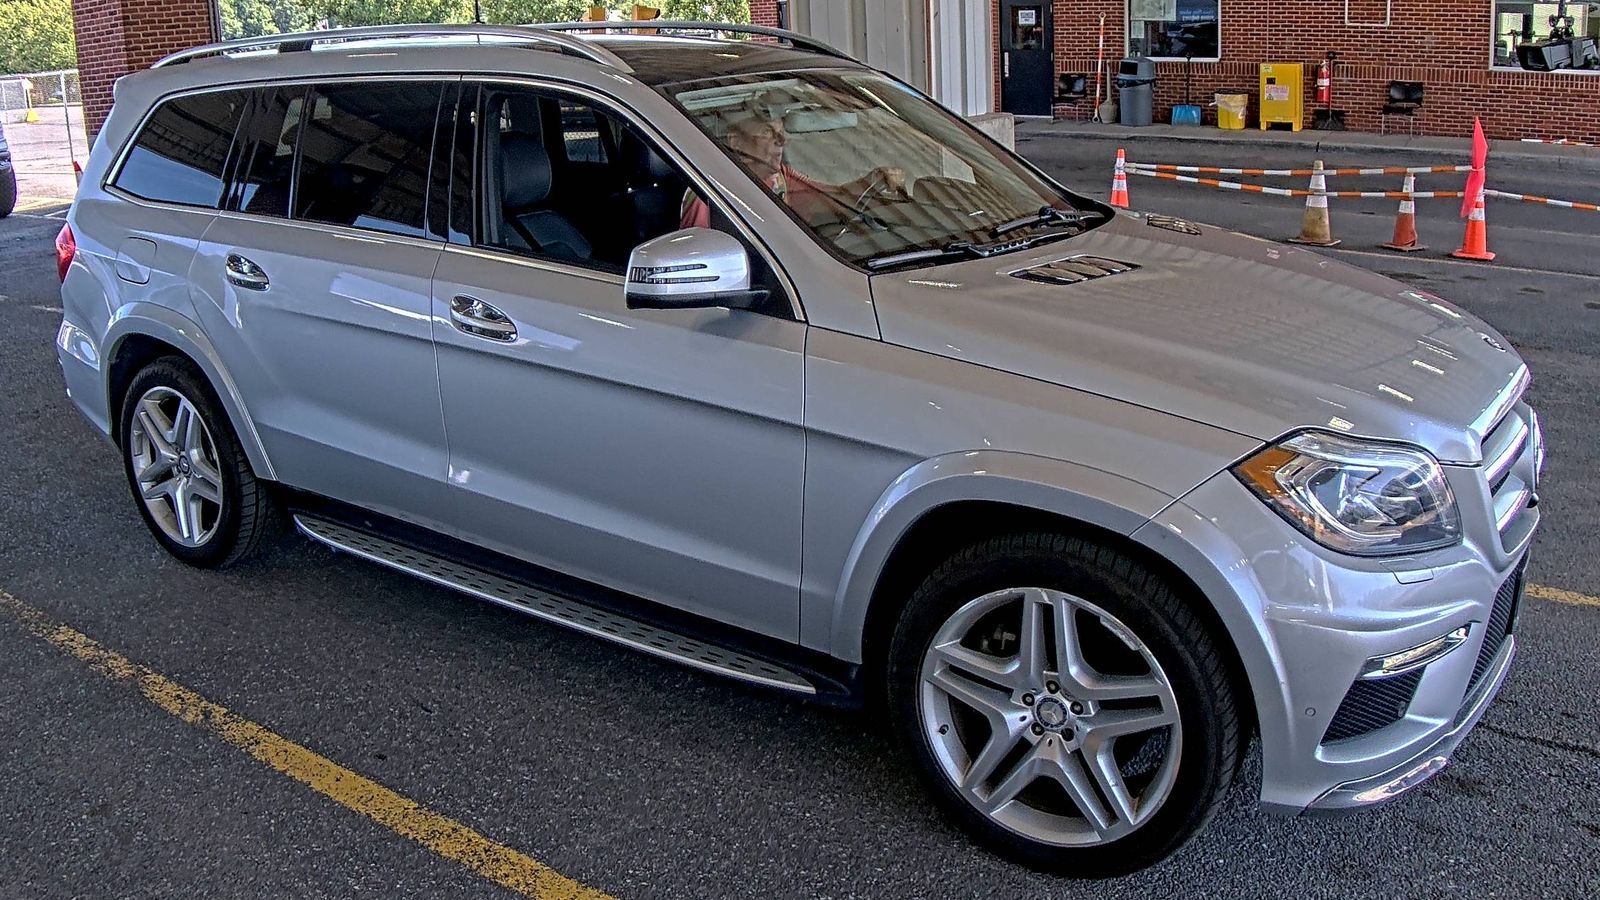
x=180, y=153
x=364, y=155
x=1174, y=29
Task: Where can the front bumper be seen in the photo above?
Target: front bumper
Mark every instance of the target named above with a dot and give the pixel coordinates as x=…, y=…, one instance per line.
x=1306, y=622
x=1388, y=785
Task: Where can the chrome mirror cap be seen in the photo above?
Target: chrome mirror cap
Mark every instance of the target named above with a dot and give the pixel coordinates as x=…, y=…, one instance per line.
x=692, y=268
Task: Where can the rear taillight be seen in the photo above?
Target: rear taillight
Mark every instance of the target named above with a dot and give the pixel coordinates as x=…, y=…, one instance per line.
x=66, y=249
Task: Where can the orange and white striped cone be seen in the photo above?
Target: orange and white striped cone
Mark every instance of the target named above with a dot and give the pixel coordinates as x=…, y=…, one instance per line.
x=1405, y=223
x=1119, y=181
x=1315, y=229
x=1475, y=243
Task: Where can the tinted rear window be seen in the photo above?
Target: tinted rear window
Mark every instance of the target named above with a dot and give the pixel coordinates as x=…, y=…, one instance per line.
x=179, y=155
x=364, y=152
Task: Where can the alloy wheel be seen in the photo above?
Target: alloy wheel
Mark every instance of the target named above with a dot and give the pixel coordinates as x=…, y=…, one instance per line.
x=175, y=464
x=1050, y=716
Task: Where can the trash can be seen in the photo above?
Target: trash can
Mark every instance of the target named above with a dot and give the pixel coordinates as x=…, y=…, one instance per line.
x=1230, y=110
x=1136, y=90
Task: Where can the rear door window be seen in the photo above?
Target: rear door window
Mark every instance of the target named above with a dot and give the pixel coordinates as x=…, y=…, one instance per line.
x=180, y=154
x=364, y=152
x=264, y=167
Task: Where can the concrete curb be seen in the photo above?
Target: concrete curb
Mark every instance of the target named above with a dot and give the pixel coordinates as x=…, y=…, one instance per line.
x=1556, y=156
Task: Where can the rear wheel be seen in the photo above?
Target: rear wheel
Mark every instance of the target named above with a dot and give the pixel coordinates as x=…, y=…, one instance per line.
x=189, y=476
x=1065, y=706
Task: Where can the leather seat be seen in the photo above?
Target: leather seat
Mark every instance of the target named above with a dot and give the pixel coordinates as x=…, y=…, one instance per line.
x=524, y=186
x=655, y=190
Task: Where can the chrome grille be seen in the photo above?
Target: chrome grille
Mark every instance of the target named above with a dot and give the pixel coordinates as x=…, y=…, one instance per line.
x=1511, y=462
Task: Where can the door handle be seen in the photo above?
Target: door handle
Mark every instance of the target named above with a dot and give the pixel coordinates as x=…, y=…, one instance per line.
x=1005, y=65
x=480, y=319
x=246, y=274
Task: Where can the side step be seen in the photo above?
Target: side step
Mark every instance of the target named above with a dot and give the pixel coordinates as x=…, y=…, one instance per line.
x=551, y=607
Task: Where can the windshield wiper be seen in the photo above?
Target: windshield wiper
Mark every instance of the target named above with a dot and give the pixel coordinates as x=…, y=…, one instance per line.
x=1069, y=217
x=954, y=248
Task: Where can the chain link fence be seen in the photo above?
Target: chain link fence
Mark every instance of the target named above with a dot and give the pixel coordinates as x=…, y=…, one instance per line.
x=43, y=117
x=33, y=91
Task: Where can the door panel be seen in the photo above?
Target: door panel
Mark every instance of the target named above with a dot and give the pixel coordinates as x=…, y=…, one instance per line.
x=334, y=358
x=655, y=452
x=1027, y=35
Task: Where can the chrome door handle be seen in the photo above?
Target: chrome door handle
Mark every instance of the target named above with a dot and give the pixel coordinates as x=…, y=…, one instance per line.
x=475, y=317
x=246, y=274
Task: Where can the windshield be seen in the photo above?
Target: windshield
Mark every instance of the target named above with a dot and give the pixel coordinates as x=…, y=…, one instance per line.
x=875, y=171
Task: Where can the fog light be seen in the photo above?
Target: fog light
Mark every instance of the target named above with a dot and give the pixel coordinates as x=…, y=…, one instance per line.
x=1416, y=657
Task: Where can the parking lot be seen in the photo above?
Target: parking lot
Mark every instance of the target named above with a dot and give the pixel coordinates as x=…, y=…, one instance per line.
x=636, y=778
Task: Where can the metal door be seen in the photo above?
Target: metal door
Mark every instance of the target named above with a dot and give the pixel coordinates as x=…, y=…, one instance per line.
x=1027, y=60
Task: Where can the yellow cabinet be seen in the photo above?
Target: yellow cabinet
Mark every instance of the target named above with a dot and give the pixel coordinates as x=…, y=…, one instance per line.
x=1283, y=94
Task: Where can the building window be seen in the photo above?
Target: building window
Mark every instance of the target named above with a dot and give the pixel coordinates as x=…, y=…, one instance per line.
x=1546, y=36
x=1174, y=29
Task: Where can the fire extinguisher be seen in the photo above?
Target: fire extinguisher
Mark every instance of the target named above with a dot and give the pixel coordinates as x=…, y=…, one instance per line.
x=1325, y=82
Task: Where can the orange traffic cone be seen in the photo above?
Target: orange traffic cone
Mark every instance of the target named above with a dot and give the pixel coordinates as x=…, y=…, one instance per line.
x=1315, y=228
x=1405, y=223
x=1475, y=244
x=1119, y=181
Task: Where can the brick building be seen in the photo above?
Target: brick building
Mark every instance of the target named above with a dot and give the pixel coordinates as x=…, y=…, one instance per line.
x=116, y=37
x=1462, y=51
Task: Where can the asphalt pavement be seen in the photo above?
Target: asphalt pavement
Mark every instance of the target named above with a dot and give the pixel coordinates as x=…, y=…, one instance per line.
x=642, y=779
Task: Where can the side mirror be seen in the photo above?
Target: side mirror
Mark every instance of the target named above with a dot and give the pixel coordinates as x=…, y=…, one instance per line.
x=695, y=268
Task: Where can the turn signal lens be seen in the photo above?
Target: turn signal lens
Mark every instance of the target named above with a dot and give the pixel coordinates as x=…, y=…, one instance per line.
x=1416, y=657
x=1354, y=496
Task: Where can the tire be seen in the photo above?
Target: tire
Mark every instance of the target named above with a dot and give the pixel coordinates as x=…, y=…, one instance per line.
x=231, y=513
x=1145, y=662
x=8, y=192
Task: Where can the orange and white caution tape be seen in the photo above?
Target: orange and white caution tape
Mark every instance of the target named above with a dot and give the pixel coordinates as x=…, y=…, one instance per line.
x=1300, y=192
x=1563, y=142
x=1297, y=173
x=1533, y=198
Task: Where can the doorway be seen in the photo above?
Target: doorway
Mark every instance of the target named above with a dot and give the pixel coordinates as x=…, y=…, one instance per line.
x=1027, y=57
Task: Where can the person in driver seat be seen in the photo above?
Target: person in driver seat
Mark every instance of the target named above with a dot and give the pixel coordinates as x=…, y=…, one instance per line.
x=758, y=140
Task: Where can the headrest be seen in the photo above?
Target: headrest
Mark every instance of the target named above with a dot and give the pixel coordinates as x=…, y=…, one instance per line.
x=646, y=162
x=525, y=170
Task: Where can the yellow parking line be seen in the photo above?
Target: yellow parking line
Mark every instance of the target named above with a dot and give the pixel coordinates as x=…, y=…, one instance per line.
x=1559, y=596
x=441, y=834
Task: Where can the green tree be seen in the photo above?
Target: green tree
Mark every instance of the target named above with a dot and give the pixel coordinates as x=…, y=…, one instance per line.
x=36, y=36
x=253, y=18
x=250, y=18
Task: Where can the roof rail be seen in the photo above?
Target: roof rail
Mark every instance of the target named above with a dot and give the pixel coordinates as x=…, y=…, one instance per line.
x=793, y=37
x=303, y=40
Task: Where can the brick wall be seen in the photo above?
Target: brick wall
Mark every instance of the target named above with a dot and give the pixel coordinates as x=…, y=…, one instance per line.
x=764, y=12
x=116, y=37
x=1442, y=43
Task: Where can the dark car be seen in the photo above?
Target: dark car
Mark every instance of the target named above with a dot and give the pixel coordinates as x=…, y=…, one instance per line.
x=8, y=177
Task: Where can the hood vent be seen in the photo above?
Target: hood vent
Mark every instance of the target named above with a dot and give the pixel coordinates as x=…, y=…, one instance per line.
x=1074, y=269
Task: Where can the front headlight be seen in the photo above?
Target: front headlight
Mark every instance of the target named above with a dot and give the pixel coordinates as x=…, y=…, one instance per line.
x=1356, y=496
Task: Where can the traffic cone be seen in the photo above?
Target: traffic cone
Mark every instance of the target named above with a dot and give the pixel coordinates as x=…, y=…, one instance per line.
x=1119, y=181
x=1315, y=228
x=1405, y=223
x=1475, y=244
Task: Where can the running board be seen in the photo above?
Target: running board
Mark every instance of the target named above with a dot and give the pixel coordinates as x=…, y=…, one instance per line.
x=554, y=608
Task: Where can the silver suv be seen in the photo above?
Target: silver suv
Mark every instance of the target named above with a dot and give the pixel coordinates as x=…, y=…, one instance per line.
x=746, y=355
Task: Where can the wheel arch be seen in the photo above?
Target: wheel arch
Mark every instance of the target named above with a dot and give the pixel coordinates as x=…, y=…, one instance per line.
x=948, y=503
x=139, y=334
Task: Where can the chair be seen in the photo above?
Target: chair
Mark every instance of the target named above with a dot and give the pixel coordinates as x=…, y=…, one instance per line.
x=1405, y=98
x=1072, y=89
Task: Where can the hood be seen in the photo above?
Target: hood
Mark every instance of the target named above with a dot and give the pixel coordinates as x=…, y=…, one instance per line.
x=1245, y=334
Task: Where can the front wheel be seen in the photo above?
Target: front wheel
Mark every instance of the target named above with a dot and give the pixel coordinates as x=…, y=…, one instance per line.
x=1065, y=706
x=190, y=478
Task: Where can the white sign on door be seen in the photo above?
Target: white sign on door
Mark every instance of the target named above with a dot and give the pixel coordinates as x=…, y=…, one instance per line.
x=1027, y=17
